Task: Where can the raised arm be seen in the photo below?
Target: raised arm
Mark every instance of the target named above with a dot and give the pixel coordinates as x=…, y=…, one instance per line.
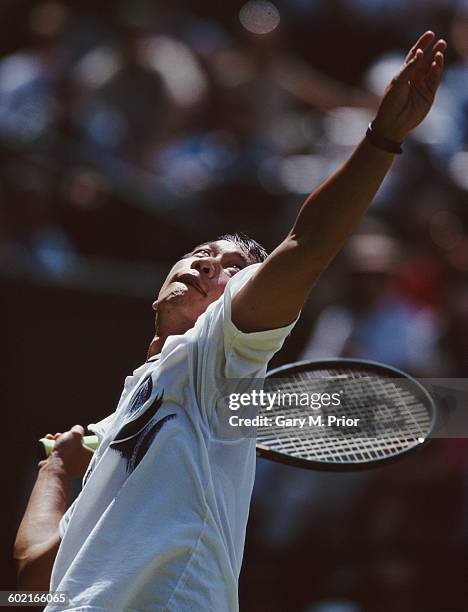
x=37, y=540
x=274, y=296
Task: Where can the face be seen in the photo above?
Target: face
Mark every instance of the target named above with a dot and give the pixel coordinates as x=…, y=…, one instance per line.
x=199, y=278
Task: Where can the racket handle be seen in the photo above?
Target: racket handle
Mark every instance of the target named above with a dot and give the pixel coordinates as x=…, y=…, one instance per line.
x=46, y=446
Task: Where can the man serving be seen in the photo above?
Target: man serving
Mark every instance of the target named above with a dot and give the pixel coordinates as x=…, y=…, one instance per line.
x=160, y=521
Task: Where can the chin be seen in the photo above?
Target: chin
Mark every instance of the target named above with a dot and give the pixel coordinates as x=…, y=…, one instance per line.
x=182, y=304
x=176, y=294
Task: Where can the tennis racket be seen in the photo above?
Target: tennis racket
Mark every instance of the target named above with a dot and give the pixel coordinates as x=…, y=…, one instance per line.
x=336, y=414
x=368, y=414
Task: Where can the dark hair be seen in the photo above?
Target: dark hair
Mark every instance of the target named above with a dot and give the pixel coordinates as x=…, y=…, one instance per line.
x=256, y=251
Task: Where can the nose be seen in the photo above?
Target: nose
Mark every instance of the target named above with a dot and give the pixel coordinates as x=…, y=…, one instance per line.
x=205, y=266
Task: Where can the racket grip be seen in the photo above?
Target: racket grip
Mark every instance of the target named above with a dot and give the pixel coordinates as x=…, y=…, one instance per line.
x=46, y=446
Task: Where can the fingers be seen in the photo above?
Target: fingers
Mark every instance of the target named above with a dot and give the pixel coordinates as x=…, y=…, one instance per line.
x=422, y=43
x=435, y=72
x=410, y=68
x=424, y=72
x=439, y=47
x=78, y=429
x=439, y=60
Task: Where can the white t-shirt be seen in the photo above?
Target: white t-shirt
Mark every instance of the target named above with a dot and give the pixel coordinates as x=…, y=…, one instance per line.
x=160, y=522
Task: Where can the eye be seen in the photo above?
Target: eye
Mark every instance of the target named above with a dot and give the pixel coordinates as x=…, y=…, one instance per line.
x=234, y=268
x=202, y=252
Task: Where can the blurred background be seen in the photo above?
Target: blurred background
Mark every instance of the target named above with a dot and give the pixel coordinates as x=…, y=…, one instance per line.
x=130, y=131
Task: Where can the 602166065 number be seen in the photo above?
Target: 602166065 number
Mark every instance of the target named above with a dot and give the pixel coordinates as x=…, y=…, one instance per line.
x=32, y=598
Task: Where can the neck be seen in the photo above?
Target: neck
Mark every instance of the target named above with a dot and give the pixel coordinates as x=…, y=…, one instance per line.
x=164, y=329
x=155, y=346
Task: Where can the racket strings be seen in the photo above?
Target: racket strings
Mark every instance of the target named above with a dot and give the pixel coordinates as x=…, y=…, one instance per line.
x=392, y=416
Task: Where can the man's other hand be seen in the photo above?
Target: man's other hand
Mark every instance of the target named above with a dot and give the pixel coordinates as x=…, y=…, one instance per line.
x=409, y=96
x=69, y=449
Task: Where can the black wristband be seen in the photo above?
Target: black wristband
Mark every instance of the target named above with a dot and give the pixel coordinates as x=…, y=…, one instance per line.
x=381, y=142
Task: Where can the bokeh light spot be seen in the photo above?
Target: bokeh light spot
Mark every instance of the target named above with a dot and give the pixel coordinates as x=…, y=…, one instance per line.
x=259, y=17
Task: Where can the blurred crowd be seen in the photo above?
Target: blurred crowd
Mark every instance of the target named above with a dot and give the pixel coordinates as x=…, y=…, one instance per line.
x=134, y=133
x=132, y=130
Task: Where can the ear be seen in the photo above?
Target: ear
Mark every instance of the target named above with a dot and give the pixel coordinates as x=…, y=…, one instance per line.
x=154, y=305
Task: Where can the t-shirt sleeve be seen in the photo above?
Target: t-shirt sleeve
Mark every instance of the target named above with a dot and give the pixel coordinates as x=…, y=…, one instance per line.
x=63, y=524
x=247, y=354
x=101, y=427
x=225, y=356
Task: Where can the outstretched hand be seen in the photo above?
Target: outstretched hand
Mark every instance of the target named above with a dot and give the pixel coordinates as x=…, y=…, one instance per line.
x=410, y=95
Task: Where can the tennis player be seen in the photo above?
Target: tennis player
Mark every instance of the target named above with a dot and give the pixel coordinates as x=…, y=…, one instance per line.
x=160, y=521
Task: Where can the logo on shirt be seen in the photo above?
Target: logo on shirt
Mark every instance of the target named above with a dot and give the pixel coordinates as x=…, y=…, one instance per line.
x=142, y=395
x=134, y=439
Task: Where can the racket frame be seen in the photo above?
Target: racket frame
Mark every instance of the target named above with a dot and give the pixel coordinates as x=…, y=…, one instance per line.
x=310, y=464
